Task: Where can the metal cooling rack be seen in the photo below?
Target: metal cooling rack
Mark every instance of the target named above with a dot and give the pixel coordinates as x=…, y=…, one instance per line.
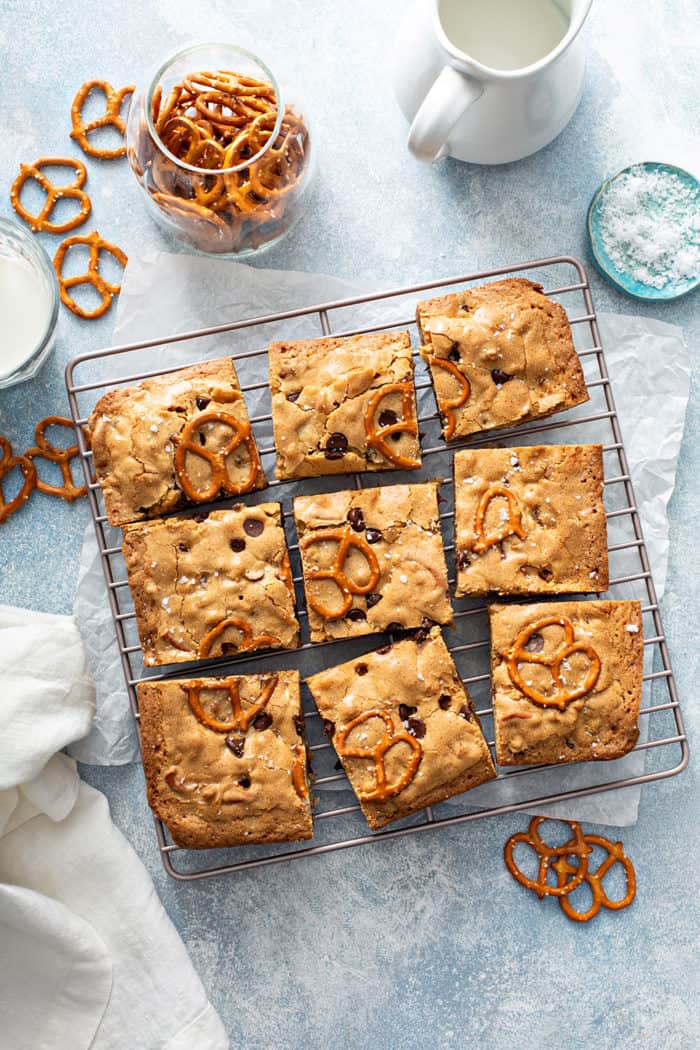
x=338, y=822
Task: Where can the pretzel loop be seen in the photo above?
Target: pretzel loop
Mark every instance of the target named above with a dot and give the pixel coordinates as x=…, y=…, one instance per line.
x=346, y=539
x=576, y=846
x=240, y=720
x=105, y=288
x=449, y=404
x=55, y=454
x=615, y=855
x=248, y=643
x=28, y=470
x=383, y=790
x=518, y=654
x=512, y=526
x=40, y=222
x=377, y=436
x=111, y=116
x=221, y=480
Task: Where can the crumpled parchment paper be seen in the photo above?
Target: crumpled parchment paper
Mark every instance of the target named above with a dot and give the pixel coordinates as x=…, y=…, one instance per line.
x=649, y=366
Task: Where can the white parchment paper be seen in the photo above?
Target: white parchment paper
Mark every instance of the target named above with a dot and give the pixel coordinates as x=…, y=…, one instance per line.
x=649, y=366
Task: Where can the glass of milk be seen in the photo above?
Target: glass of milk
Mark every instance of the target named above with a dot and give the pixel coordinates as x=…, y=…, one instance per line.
x=28, y=304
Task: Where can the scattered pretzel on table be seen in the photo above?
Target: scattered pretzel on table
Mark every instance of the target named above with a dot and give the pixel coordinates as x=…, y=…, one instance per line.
x=43, y=449
x=111, y=117
x=92, y=276
x=390, y=737
x=7, y=463
x=39, y=222
x=570, y=876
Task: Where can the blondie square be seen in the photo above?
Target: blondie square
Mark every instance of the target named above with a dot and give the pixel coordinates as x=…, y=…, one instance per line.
x=225, y=759
x=217, y=584
x=530, y=520
x=499, y=355
x=342, y=405
x=174, y=441
x=403, y=726
x=566, y=679
x=372, y=560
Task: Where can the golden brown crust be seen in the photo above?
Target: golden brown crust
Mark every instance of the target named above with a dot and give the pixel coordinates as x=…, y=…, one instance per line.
x=514, y=347
x=190, y=576
x=414, y=684
x=395, y=564
x=134, y=440
x=555, y=501
x=210, y=793
x=602, y=723
x=323, y=391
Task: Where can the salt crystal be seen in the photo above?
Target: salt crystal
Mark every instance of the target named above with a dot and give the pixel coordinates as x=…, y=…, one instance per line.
x=632, y=628
x=404, y=579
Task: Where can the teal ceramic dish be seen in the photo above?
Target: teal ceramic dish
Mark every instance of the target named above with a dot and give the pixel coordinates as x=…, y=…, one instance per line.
x=652, y=210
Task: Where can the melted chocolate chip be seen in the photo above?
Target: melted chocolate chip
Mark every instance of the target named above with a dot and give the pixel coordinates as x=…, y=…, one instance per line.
x=422, y=633
x=535, y=643
x=416, y=727
x=454, y=354
x=244, y=782
x=202, y=402
x=372, y=600
x=299, y=724
x=466, y=712
x=384, y=649
x=361, y=669
x=356, y=519
x=373, y=535
x=202, y=517
x=336, y=446
x=262, y=721
x=236, y=744
x=569, y=743
x=356, y=615
x=328, y=728
x=228, y=648
x=387, y=417
x=183, y=547
x=253, y=526
x=445, y=701
x=394, y=626
x=237, y=545
x=545, y=574
x=463, y=560
x=293, y=395
x=500, y=377
x=202, y=439
x=405, y=711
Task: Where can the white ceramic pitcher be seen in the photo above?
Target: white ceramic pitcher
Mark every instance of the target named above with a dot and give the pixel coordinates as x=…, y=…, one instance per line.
x=508, y=102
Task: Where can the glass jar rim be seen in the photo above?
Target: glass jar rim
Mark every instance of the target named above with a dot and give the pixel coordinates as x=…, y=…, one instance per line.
x=44, y=264
x=191, y=49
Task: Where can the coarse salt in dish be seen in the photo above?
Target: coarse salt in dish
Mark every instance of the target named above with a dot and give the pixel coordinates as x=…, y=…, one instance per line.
x=644, y=231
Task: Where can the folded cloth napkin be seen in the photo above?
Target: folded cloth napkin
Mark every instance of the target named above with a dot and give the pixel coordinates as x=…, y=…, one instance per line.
x=88, y=957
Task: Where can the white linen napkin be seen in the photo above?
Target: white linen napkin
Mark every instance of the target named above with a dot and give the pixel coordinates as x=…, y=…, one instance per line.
x=88, y=957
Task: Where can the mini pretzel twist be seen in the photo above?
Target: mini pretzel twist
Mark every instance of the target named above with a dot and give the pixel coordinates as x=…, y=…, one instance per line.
x=40, y=222
x=55, y=454
x=248, y=643
x=111, y=116
x=28, y=470
x=390, y=737
x=93, y=276
x=346, y=539
x=571, y=876
x=575, y=846
x=517, y=654
x=221, y=480
x=448, y=405
x=513, y=526
x=376, y=436
x=240, y=720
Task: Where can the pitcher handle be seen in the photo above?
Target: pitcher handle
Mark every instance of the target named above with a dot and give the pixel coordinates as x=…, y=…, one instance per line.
x=451, y=94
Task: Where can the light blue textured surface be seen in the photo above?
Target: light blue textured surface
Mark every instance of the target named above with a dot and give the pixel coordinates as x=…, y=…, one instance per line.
x=420, y=942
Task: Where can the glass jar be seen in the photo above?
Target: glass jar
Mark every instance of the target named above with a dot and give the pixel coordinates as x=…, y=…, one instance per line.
x=225, y=161
x=28, y=304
